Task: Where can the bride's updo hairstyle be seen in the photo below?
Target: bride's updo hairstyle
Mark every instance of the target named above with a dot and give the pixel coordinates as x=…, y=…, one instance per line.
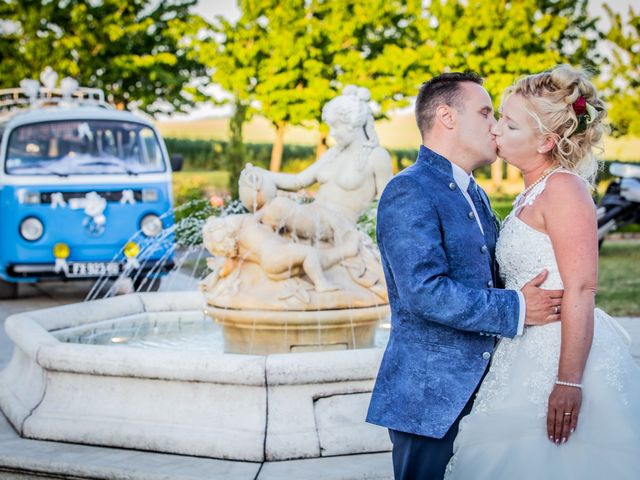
x=552, y=98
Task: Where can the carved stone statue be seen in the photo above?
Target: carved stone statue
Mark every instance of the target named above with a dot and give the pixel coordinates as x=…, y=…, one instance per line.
x=351, y=174
x=288, y=256
x=241, y=238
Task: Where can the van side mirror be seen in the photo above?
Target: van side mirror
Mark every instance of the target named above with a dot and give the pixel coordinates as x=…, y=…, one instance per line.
x=177, y=161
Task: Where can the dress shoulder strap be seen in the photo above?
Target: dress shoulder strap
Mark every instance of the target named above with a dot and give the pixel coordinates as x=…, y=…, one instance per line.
x=526, y=198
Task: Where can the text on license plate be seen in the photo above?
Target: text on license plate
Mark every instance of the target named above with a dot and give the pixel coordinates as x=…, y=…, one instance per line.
x=93, y=269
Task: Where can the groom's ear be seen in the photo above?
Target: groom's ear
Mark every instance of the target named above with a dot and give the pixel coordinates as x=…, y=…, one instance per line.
x=445, y=115
x=546, y=145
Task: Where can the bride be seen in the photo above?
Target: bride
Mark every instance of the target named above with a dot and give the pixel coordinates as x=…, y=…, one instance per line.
x=563, y=399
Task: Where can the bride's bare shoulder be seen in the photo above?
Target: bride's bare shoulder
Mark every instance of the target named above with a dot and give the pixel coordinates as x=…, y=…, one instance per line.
x=567, y=190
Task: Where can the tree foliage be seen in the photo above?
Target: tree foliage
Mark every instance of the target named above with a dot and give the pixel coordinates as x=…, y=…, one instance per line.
x=624, y=81
x=506, y=39
x=313, y=49
x=140, y=52
x=234, y=53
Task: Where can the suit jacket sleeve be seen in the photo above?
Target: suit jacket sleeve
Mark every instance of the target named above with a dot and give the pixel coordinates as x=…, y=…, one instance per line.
x=411, y=244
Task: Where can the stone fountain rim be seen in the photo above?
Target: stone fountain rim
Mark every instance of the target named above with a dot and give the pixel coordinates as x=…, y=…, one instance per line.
x=241, y=407
x=30, y=332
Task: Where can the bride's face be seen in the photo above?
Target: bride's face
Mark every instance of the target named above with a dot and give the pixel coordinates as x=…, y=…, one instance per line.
x=516, y=133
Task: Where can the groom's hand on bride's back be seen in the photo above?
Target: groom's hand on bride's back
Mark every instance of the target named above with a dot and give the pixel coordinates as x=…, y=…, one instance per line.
x=543, y=306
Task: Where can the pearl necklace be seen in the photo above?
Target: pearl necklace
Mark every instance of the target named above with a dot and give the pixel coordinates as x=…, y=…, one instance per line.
x=544, y=175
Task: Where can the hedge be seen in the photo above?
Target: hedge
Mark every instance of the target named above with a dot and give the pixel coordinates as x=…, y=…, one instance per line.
x=209, y=155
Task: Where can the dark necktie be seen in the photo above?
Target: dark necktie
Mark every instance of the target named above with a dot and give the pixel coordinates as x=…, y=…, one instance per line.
x=486, y=219
x=481, y=208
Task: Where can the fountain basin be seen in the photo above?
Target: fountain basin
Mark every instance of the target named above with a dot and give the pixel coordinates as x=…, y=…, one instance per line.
x=211, y=404
x=265, y=332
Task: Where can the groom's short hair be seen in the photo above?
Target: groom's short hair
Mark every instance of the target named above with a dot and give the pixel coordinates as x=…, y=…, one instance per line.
x=443, y=89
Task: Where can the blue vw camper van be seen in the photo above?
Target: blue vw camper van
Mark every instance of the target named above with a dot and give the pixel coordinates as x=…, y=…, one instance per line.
x=84, y=190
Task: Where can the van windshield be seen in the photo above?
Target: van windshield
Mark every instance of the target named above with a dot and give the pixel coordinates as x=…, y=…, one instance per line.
x=83, y=147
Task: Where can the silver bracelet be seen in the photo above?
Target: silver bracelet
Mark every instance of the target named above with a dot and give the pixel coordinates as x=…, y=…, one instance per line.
x=569, y=384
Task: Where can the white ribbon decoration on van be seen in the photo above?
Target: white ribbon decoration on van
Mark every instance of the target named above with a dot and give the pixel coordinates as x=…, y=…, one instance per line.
x=128, y=197
x=94, y=207
x=57, y=200
x=61, y=265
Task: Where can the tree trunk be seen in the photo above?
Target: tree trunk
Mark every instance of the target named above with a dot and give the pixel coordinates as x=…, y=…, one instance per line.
x=496, y=175
x=278, y=147
x=321, y=146
x=236, y=153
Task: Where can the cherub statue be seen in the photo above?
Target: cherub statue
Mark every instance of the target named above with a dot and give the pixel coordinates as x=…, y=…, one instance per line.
x=240, y=238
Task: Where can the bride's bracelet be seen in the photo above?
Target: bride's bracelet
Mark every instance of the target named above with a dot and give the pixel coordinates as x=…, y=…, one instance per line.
x=569, y=384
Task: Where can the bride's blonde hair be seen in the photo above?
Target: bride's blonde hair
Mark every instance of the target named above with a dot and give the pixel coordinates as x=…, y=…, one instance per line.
x=550, y=97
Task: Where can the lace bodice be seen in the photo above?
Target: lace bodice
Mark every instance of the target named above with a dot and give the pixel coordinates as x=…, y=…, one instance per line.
x=522, y=251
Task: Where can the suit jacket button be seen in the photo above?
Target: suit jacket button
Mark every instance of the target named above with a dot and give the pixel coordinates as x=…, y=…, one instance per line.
x=471, y=215
x=486, y=355
x=484, y=249
x=452, y=186
x=490, y=284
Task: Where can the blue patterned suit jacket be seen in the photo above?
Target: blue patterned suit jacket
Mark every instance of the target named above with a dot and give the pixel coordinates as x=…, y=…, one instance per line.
x=445, y=314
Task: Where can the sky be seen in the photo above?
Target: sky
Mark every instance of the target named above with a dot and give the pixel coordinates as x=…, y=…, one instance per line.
x=209, y=8
x=229, y=9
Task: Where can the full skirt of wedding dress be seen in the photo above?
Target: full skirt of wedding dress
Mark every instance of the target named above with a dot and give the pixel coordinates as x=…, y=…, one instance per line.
x=505, y=435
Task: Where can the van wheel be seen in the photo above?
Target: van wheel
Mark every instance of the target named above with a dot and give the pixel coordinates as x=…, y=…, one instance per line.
x=8, y=290
x=144, y=284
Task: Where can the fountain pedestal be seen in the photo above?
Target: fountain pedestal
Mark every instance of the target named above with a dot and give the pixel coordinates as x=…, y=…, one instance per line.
x=266, y=332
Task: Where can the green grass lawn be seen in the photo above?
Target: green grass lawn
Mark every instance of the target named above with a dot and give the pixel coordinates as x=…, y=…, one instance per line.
x=619, y=278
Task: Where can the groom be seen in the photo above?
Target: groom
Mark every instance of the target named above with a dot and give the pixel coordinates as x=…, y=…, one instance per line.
x=437, y=236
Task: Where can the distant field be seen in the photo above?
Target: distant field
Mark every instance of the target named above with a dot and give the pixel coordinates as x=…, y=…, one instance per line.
x=398, y=132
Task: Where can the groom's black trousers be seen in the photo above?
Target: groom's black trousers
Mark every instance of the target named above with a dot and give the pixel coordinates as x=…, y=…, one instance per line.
x=424, y=458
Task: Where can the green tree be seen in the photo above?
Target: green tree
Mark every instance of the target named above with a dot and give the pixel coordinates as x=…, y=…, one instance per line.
x=374, y=44
x=234, y=52
x=506, y=39
x=140, y=52
x=624, y=81
x=289, y=69
x=314, y=48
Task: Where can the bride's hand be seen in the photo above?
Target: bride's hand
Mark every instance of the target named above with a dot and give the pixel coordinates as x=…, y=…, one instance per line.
x=562, y=415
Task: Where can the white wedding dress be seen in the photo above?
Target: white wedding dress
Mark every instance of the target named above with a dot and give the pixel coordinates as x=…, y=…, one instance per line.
x=505, y=435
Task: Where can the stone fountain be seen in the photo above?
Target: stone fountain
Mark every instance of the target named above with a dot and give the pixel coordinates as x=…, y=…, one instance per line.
x=286, y=277
x=298, y=276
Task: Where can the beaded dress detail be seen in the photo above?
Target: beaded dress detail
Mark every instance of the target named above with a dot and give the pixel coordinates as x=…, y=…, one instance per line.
x=505, y=434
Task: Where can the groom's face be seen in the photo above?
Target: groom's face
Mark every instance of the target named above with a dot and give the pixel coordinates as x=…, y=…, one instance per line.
x=474, y=124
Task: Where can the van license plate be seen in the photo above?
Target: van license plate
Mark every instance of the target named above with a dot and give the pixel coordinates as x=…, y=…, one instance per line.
x=93, y=269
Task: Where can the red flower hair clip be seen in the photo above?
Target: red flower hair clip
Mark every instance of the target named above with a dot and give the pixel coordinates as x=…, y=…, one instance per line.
x=580, y=106
x=585, y=113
